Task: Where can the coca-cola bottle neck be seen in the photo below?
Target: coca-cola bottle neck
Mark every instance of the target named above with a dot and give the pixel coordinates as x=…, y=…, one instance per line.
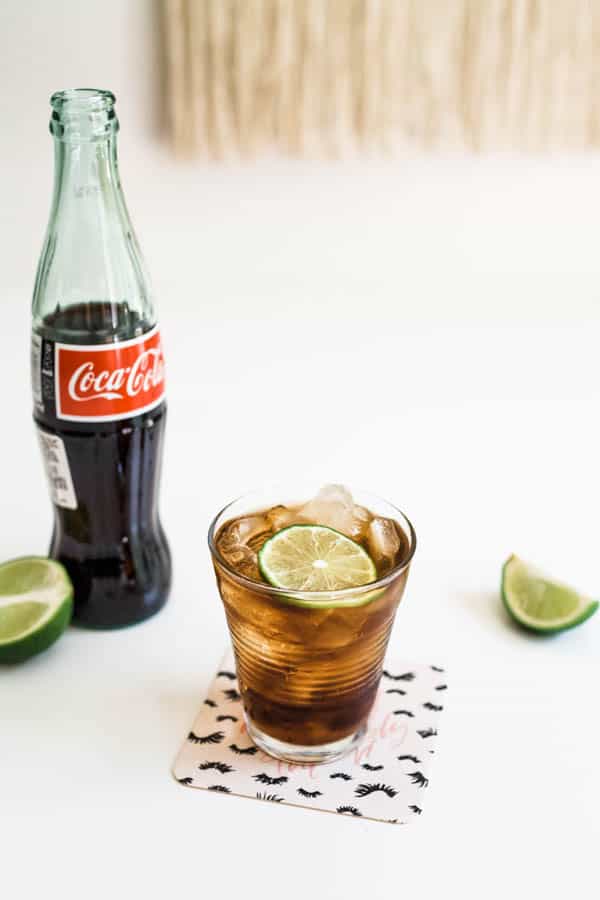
x=91, y=284
x=85, y=149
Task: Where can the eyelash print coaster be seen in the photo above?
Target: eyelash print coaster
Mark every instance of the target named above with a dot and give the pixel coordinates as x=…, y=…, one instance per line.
x=384, y=778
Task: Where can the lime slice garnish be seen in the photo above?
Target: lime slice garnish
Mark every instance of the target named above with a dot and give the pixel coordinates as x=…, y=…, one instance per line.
x=316, y=558
x=36, y=603
x=540, y=604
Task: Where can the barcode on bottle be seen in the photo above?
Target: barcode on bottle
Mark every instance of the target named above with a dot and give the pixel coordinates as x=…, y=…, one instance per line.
x=57, y=470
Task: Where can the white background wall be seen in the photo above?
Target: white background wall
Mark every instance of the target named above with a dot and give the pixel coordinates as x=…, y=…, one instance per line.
x=309, y=270
x=426, y=326
x=475, y=238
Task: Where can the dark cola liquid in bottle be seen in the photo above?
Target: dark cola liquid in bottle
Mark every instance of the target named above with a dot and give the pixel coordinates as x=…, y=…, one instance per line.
x=98, y=377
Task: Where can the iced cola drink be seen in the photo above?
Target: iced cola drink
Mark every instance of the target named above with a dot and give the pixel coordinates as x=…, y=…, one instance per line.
x=309, y=633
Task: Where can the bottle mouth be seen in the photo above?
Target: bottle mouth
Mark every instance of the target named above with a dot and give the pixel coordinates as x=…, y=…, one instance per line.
x=80, y=114
x=83, y=99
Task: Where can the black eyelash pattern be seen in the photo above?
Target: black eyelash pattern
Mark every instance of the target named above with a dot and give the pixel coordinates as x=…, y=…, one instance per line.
x=406, y=676
x=215, y=738
x=266, y=779
x=247, y=751
x=363, y=790
x=310, y=794
x=427, y=732
x=418, y=778
x=223, y=768
x=232, y=694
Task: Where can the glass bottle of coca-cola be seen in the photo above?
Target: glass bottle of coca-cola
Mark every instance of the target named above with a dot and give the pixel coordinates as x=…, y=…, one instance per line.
x=97, y=373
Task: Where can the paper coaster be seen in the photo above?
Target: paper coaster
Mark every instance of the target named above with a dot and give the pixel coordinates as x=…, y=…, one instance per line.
x=383, y=778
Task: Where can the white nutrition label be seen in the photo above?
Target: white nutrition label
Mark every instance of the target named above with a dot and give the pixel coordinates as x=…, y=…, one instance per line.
x=57, y=470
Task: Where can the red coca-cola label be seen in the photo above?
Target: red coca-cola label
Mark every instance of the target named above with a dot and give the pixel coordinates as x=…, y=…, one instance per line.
x=97, y=383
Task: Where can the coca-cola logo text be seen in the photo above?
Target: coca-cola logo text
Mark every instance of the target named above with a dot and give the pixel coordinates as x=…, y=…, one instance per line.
x=112, y=381
x=145, y=374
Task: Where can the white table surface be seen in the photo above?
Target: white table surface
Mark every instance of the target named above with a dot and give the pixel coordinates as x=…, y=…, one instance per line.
x=431, y=333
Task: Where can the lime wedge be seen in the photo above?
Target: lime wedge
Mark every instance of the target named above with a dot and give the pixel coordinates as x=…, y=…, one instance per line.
x=36, y=603
x=540, y=604
x=316, y=558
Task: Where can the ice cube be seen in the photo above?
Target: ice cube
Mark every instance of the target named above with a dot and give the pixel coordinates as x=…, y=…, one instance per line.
x=280, y=517
x=248, y=566
x=383, y=541
x=334, y=628
x=239, y=542
x=242, y=560
x=245, y=532
x=361, y=518
x=333, y=506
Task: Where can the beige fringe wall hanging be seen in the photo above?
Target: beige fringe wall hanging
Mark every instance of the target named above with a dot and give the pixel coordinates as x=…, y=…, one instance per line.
x=320, y=77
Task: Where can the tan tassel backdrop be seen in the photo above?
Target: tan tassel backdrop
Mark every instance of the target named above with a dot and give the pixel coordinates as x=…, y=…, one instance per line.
x=321, y=77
